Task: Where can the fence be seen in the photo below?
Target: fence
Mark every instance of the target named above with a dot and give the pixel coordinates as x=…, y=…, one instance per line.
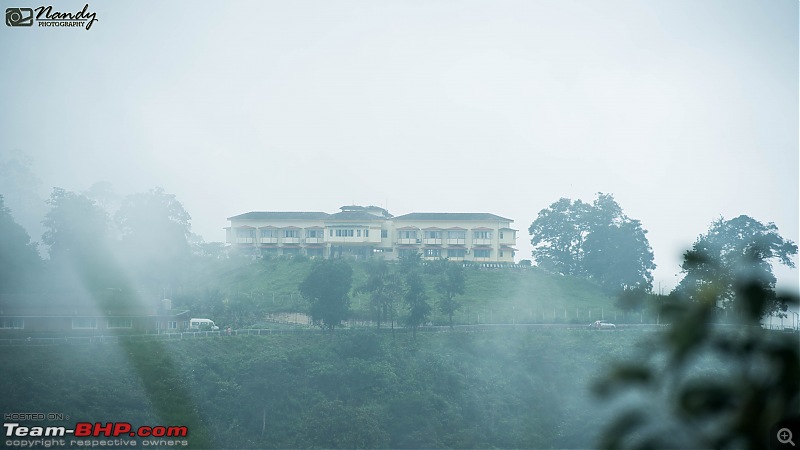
x=74, y=340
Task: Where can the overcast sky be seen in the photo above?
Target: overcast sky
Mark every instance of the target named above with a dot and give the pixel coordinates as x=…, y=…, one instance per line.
x=685, y=111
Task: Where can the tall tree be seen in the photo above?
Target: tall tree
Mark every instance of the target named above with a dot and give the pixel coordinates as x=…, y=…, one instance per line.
x=327, y=290
x=384, y=287
x=76, y=233
x=155, y=229
x=558, y=234
x=19, y=259
x=597, y=241
x=733, y=250
x=22, y=190
x=450, y=283
x=619, y=257
x=417, y=301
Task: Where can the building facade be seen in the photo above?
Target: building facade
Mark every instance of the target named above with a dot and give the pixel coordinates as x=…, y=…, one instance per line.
x=85, y=317
x=370, y=231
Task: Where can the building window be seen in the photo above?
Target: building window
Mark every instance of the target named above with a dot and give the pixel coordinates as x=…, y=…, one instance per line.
x=501, y=252
x=384, y=234
x=481, y=253
x=185, y=324
x=331, y=233
x=408, y=234
x=366, y=233
x=345, y=233
x=358, y=233
x=482, y=235
x=11, y=323
x=312, y=233
x=172, y=325
x=120, y=322
x=433, y=235
x=268, y=234
x=456, y=234
x=290, y=233
x=244, y=234
x=84, y=323
x=433, y=253
x=501, y=237
x=456, y=252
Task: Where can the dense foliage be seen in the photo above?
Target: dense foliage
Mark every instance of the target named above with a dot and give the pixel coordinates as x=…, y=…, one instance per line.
x=327, y=289
x=596, y=240
x=706, y=386
x=18, y=256
x=732, y=250
x=508, y=389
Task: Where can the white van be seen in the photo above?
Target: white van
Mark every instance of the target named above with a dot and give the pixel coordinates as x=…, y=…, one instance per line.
x=202, y=325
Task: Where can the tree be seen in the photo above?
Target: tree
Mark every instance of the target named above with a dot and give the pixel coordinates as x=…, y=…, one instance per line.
x=19, y=258
x=21, y=189
x=632, y=299
x=618, y=256
x=417, y=301
x=731, y=250
x=596, y=241
x=410, y=262
x=77, y=235
x=327, y=289
x=384, y=287
x=558, y=234
x=155, y=230
x=451, y=282
x=705, y=386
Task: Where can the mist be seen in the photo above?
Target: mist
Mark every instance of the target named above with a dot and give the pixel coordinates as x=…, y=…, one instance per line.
x=127, y=149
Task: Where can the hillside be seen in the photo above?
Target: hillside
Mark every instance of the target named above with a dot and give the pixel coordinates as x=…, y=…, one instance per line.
x=503, y=295
x=508, y=389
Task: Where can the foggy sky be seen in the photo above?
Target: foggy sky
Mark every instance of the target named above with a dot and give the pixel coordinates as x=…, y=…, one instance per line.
x=685, y=111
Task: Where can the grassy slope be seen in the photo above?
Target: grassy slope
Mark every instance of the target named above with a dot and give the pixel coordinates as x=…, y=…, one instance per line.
x=508, y=389
x=496, y=295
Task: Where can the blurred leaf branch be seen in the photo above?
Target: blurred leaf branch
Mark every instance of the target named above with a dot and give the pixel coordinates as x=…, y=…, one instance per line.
x=702, y=384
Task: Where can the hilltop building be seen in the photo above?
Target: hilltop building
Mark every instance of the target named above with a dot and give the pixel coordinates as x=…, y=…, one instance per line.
x=364, y=231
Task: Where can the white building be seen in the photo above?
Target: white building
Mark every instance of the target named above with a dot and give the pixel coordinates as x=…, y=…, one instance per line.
x=364, y=231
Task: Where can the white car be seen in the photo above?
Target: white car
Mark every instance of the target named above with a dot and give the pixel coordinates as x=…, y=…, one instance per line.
x=602, y=325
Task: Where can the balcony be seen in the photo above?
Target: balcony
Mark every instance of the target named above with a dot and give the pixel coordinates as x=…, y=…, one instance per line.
x=432, y=241
x=268, y=240
x=245, y=240
x=481, y=242
x=456, y=241
x=314, y=240
x=408, y=241
x=508, y=238
x=291, y=240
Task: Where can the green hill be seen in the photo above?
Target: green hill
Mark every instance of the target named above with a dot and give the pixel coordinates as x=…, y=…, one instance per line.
x=499, y=295
x=354, y=389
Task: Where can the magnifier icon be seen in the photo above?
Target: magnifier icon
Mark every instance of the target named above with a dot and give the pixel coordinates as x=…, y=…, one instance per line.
x=785, y=436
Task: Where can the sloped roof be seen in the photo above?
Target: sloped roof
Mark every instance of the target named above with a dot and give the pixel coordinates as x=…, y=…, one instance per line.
x=452, y=216
x=281, y=215
x=354, y=215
